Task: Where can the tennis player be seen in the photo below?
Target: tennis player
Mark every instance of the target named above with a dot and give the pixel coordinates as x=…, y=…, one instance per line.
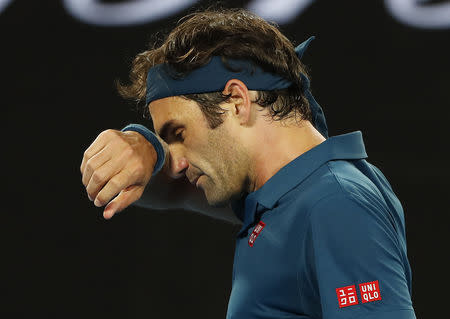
x=235, y=133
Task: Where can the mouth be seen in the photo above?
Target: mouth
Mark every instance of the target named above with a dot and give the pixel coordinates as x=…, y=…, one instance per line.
x=195, y=182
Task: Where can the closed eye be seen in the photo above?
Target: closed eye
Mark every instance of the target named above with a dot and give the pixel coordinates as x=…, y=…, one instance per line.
x=179, y=134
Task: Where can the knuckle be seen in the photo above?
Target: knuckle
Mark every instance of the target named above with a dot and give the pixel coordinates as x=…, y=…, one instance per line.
x=100, y=199
x=107, y=135
x=118, y=183
x=86, y=154
x=139, y=169
x=90, y=195
x=108, y=132
x=128, y=151
x=97, y=177
x=114, y=183
x=126, y=178
x=90, y=166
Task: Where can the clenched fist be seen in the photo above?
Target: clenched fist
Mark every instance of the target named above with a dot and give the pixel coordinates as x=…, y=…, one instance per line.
x=117, y=163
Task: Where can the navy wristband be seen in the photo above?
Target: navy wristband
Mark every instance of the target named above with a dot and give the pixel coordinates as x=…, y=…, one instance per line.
x=151, y=137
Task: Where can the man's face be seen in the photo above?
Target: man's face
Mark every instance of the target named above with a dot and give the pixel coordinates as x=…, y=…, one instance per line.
x=216, y=155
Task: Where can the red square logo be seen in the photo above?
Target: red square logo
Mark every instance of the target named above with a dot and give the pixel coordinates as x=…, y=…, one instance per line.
x=347, y=296
x=370, y=291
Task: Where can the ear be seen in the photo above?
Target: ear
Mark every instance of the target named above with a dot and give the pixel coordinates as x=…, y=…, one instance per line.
x=239, y=99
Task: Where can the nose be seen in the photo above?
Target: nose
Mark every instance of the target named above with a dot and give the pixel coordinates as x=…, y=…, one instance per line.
x=178, y=162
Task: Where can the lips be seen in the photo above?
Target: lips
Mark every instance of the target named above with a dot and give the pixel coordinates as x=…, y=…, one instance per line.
x=195, y=180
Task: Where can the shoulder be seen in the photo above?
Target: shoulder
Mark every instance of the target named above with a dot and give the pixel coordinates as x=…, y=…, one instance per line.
x=335, y=182
x=346, y=191
x=353, y=214
x=338, y=193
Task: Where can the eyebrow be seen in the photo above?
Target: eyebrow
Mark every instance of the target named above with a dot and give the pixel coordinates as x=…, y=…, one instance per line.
x=165, y=129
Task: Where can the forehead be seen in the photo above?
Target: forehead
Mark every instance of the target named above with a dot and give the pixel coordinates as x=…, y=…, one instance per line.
x=175, y=109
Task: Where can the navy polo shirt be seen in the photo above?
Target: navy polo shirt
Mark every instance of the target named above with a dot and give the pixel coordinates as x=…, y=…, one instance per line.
x=322, y=238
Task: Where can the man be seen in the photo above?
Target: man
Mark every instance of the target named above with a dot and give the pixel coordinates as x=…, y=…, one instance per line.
x=322, y=235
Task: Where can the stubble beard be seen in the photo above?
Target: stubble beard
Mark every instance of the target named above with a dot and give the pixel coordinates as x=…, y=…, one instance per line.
x=230, y=180
x=230, y=184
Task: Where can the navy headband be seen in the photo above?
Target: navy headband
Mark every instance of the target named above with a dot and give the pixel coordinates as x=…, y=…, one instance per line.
x=163, y=81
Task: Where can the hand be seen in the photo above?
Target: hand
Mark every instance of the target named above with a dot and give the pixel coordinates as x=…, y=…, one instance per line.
x=117, y=163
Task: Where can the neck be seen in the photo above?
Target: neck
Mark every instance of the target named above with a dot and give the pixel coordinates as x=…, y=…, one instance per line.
x=278, y=144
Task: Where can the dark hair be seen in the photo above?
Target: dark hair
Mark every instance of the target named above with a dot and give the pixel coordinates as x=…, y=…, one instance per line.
x=230, y=33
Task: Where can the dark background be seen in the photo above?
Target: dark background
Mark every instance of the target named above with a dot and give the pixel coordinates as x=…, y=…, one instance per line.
x=60, y=258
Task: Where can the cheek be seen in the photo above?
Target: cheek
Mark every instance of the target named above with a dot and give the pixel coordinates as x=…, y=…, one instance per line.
x=217, y=156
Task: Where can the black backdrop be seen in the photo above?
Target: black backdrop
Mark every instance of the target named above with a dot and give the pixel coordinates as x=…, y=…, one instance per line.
x=60, y=258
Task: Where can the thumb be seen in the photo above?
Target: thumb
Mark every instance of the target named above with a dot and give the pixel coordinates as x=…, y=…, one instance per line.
x=125, y=198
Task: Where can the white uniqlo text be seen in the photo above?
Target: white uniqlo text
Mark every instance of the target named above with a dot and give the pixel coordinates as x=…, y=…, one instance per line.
x=370, y=291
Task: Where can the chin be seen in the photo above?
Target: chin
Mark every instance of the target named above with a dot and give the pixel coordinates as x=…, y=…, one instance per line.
x=217, y=200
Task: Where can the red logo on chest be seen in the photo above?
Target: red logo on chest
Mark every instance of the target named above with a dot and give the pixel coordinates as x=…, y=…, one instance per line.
x=347, y=296
x=255, y=233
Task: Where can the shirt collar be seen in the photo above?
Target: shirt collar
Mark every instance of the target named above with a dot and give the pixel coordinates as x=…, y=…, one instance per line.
x=340, y=147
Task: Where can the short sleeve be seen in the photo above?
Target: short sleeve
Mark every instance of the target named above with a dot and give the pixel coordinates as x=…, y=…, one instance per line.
x=357, y=261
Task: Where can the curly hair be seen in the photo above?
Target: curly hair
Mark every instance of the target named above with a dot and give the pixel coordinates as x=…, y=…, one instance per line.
x=230, y=33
